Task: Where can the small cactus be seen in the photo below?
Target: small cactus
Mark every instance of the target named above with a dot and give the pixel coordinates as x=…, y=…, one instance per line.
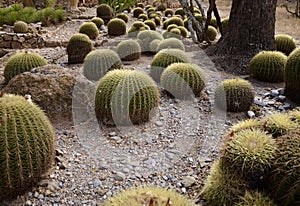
x=116, y=27
x=169, y=12
x=163, y=59
x=129, y=50
x=125, y=97
x=97, y=63
x=137, y=11
x=224, y=24
x=22, y=62
x=211, y=33
x=234, y=95
x=171, y=26
x=105, y=12
x=175, y=33
x=255, y=198
x=78, y=47
x=20, y=27
x=183, y=31
x=146, y=37
x=171, y=43
x=268, y=66
x=180, y=12
x=123, y=16
x=161, y=7
x=143, y=17
x=136, y=27
x=27, y=145
x=98, y=21
x=285, y=43
x=90, y=29
x=213, y=22
x=175, y=20
x=183, y=80
x=246, y=124
x=151, y=24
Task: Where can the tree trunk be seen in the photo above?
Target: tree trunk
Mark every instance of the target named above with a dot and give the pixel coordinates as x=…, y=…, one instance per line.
x=73, y=5
x=250, y=29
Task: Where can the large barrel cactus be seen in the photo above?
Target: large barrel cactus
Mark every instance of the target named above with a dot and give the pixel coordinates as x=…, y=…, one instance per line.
x=163, y=59
x=285, y=43
x=78, y=47
x=129, y=50
x=171, y=43
x=116, y=27
x=105, y=12
x=22, y=62
x=26, y=145
x=125, y=97
x=146, y=37
x=268, y=66
x=97, y=63
x=90, y=29
x=292, y=76
x=20, y=27
x=183, y=80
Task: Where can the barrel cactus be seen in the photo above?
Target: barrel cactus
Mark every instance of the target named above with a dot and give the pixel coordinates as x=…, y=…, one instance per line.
x=224, y=24
x=183, y=80
x=268, y=66
x=129, y=50
x=26, y=146
x=20, y=27
x=78, y=47
x=255, y=198
x=183, y=31
x=143, y=17
x=123, y=16
x=90, y=29
x=211, y=33
x=180, y=12
x=169, y=12
x=171, y=43
x=285, y=43
x=146, y=37
x=292, y=76
x=22, y=62
x=116, y=27
x=147, y=196
x=213, y=22
x=125, y=97
x=105, y=12
x=137, y=11
x=97, y=63
x=136, y=27
x=163, y=59
x=234, y=95
x=98, y=21
x=151, y=24
x=246, y=124
x=154, y=45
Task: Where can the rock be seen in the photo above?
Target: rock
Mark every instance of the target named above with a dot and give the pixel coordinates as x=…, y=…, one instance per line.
x=260, y=102
x=274, y=92
x=188, y=181
x=250, y=114
x=119, y=176
x=28, y=203
x=112, y=134
x=159, y=123
x=282, y=98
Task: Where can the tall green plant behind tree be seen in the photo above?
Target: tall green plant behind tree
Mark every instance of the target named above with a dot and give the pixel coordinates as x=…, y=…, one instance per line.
x=118, y=5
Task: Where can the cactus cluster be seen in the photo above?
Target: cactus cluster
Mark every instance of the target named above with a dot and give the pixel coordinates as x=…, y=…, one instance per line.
x=105, y=12
x=173, y=20
x=20, y=27
x=90, y=29
x=171, y=43
x=26, y=146
x=234, y=95
x=98, y=62
x=154, y=45
x=146, y=37
x=142, y=17
x=136, y=27
x=268, y=66
x=129, y=50
x=116, y=27
x=183, y=80
x=78, y=47
x=285, y=43
x=22, y=62
x=125, y=97
x=98, y=21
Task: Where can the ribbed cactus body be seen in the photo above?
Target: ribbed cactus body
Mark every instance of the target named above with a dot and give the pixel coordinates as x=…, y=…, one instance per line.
x=105, y=12
x=163, y=59
x=90, y=29
x=20, y=27
x=116, y=27
x=129, y=50
x=97, y=63
x=292, y=76
x=224, y=24
x=123, y=16
x=171, y=43
x=268, y=66
x=146, y=37
x=234, y=95
x=183, y=31
x=151, y=24
x=154, y=45
x=175, y=20
x=285, y=43
x=22, y=62
x=78, y=47
x=137, y=11
x=183, y=80
x=98, y=21
x=125, y=97
x=26, y=145
x=180, y=12
x=169, y=12
x=211, y=33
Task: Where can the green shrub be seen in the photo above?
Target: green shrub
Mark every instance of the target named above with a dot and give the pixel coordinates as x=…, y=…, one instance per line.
x=98, y=62
x=163, y=59
x=136, y=27
x=268, y=66
x=116, y=27
x=22, y=62
x=129, y=50
x=285, y=43
x=78, y=47
x=246, y=124
x=141, y=5
x=180, y=12
x=154, y=45
x=254, y=198
x=90, y=29
x=123, y=16
x=98, y=21
x=105, y=12
x=50, y=16
x=292, y=76
x=146, y=37
x=29, y=15
x=118, y=6
x=27, y=145
x=211, y=33
x=234, y=95
x=151, y=24
x=124, y=97
x=169, y=12
x=171, y=43
x=137, y=11
x=183, y=80
x=20, y=27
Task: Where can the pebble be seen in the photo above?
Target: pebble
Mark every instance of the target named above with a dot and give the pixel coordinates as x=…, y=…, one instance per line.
x=159, y=123
x=250, y=114
x=188, y=181
x=119, y=176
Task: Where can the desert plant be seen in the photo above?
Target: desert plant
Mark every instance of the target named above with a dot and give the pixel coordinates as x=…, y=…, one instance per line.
x=180, y=12
x=143, y=17
x=211, y=33
x=125, y=97
x=148, y=7
x=90, y=29
x=171, y=43
x=175, y=20
x=234, y=95
x=295, y=115
x=98, y=62
x=292, y=76
x=118, y=6
x=123, y=16
x=183, y=80
x=255, y=198
x=105, y=12
x=161, y=7
x=151, y=24
x=27, y=145
x=129, y=50
x=78, y=47
x=116, y=27
x=20, y=27
x=171, y=26
x=154, y=45
x=140, y=4
x=285, y=43
x=136, y=27
x=224, y=24
x=50, y=16
x=137, y=11
x=213, y=22
x=146, y=37
x=246, y=124
x=157, y=20
x=183, y=31
x=163, y=59
x=169, y=12
x=98, y=21
x=147, y=196
x=174, y=33
x=268, y=66
x=22, y=62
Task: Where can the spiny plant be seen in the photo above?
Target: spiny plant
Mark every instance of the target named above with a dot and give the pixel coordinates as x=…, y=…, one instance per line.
x=255, y=198
x=180, y=12
x=292, y=76
x=125, y=97
x=129, y=50
x=157, y=20
x=137, y=11
x=246, y=124
x=22, y=62
x=26, y=145
x=175, y=33
x=149, y=196
x=146, y=37
x=141, y=5
x=171, y=26
x=285, y=43
x=224, y=24
x=169, y=12
x=78, y=47
x=136, y=27
x=90, y=29
x=147, y=7
x=268, y=66
x=105, y=12
x=116, y=27
x=213, y=22
x=211, y=33
x=175, y=20
x=154, y=45
x=151, y=24
x=183, y=80
x=123, y=16
x=98, y=21
x=171, y=43
x=183, y=31
x=234, y=95
x=20, y=27
x=161, y=7
x=143, y=17
x=120, y=5
x=98, y=62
